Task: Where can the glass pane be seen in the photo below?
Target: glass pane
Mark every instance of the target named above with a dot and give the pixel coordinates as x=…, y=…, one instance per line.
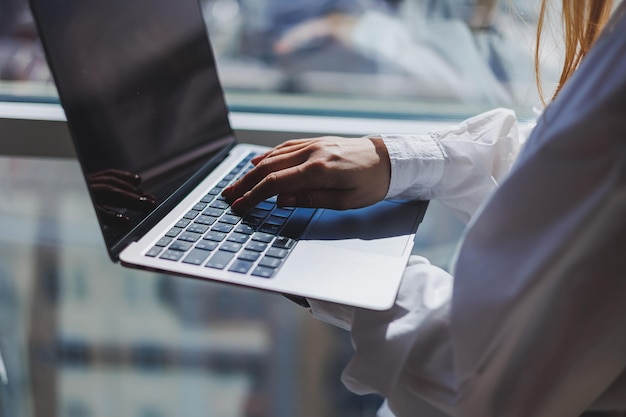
x=385, y=58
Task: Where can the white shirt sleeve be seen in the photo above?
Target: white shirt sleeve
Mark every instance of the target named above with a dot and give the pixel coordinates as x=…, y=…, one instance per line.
x=459, y=167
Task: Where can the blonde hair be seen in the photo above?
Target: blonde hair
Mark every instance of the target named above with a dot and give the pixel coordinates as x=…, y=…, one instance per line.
x=583, y=21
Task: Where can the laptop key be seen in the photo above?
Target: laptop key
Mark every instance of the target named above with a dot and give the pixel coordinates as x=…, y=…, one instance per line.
x=182, y=223
x=277, y=253
x=164, y=241
x=196, y=257
x=206, y=220
x=191, y=214
x=263, y=272
x=173, y=232
x=245, y=229
x=172, y=255
x=248, y=255
x=272, y=229
x=270, y=262
x=256, y=246
x=222, y=227
x=180, y=245
x=238, y=237
x=263, y=237
x=198, y=228
x=207, y=198
x=265, y=205
x=214, y=236
x=284, y=242
x=241, y=266
x=212, y=211
x=253, y=222
x=154, y=252
x=281, y=212
x=206, y=245
x=230, y=246
x=230, y=219
x=220, y=259
x=275, y=220
x=257, y=212
x=219, y=204
x=189, y=236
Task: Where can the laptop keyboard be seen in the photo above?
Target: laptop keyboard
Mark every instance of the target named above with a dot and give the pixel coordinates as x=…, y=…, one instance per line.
x=211, y=235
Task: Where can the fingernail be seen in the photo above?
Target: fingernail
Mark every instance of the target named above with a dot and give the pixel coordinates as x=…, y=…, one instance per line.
x=257, y=159
x=235, y=205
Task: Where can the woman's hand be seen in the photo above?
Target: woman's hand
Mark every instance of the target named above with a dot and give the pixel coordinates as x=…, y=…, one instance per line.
x=330, y=172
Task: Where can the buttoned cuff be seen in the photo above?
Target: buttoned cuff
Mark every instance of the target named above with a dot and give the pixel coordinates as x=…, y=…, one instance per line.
x=417, y=163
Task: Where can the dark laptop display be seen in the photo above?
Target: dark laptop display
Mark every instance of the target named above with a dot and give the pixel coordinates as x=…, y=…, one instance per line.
x=142, y=97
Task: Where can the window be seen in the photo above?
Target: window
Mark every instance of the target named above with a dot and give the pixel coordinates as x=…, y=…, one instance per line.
x=374, y=58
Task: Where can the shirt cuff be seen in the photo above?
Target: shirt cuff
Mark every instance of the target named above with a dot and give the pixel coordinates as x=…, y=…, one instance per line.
x=417, y=163
x=336, y=314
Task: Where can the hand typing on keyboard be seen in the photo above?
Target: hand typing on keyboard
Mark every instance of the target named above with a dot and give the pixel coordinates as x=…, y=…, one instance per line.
x=331, y=172
x=212, y=235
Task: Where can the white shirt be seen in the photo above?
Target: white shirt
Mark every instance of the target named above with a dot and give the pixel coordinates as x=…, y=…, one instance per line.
x=534, y=321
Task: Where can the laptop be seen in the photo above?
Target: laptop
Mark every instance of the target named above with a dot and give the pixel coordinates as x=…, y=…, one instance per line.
x=148, y=119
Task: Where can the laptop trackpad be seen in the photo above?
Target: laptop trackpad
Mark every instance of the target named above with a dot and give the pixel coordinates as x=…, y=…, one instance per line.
x=384, y=228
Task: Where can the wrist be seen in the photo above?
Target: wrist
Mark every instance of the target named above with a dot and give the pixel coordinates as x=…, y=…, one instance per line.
x=383, y=155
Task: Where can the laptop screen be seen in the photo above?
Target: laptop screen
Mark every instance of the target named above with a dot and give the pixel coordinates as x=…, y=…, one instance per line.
x=139, y=86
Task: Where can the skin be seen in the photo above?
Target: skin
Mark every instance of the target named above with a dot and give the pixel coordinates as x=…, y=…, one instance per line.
x=329, y=172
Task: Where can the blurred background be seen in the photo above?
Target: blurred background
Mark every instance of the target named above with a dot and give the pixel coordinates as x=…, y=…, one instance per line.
x=384, y=58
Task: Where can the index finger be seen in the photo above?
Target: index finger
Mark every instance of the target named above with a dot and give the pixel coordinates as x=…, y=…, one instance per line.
x=269, y=164
x=273, y=184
